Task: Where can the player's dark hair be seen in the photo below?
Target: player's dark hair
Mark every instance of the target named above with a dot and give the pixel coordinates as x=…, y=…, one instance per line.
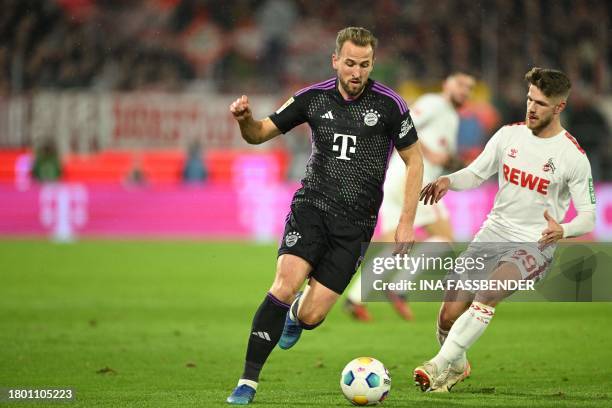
x=357, y=35
x=551, y=82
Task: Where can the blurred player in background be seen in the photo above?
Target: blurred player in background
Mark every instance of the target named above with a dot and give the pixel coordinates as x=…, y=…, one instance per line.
x=356, y=122
x=436, y=119
x=540, y=167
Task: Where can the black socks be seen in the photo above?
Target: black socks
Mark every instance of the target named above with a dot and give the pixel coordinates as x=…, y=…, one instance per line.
x=266, y=330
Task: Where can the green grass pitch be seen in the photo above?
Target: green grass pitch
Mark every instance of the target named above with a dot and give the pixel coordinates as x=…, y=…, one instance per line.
x=151, y=323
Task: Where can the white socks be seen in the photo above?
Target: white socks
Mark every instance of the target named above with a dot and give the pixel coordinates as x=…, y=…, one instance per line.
x=441, y=334
x=459, y=364
x=250, y=383
x=294, y=309
x=467, y=329
x=354, y=292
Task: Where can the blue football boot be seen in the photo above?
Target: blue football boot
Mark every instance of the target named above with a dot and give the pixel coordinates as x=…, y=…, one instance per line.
x=242, y=395
x=292, y=330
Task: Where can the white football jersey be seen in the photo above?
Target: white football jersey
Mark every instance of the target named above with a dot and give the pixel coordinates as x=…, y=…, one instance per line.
x=437, y=124
x=535, y=174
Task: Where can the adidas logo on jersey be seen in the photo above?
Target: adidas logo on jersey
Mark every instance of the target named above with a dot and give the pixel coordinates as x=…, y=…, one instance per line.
x=328, y=115
x=262, y=335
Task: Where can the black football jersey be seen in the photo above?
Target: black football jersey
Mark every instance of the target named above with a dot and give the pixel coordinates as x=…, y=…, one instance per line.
x=352, y=142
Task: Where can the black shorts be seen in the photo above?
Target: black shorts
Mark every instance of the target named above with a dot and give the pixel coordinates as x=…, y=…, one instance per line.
x=332, y=245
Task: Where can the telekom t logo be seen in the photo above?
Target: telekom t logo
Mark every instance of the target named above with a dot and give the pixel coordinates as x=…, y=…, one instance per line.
x=344, y=145
x=63, y=207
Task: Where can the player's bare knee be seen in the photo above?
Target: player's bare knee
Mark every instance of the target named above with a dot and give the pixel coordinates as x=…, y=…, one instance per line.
x=283, y=291
x=284, y=288
x=291, y=272
x=311, y=319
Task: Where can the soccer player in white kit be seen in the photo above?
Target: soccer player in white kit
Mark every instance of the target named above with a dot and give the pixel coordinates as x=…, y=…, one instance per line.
x=540, y=167
x=437, y=121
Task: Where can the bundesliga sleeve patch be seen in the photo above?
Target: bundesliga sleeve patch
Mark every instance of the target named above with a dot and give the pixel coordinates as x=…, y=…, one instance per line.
x=406, y=126
x=282, y=108
x=591, y=190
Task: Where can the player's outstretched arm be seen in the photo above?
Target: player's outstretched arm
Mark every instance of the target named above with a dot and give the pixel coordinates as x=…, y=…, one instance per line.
x=253, y=131
x=463, y=179
x=413, y=158
x=483, y=167
x=434, y=191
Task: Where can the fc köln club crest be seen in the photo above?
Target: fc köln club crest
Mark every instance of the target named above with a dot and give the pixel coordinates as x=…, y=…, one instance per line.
x=549, y=166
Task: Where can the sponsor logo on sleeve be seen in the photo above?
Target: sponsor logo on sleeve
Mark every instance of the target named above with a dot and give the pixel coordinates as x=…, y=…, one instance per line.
x=591, y=190
x=282, y=108
x=405, y=128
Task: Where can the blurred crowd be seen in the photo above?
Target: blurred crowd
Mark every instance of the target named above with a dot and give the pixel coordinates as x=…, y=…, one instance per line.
x=272, y=46
x=114, y=44
x=86, y=44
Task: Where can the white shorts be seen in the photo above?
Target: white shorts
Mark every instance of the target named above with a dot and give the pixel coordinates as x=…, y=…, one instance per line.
x=390, y=212
x=532, y=261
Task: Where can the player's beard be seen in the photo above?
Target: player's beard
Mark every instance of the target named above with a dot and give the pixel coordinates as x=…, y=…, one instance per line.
x=539, y=125
x=352, y=92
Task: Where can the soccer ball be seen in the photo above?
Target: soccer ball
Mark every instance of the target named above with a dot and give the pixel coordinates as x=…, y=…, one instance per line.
x=365, y=381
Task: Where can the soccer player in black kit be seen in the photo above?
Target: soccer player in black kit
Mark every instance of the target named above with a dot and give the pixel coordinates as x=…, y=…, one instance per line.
x=355, y=122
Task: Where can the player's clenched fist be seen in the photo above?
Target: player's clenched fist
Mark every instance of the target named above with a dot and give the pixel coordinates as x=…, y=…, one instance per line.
x=434, y=191
x=240, y=108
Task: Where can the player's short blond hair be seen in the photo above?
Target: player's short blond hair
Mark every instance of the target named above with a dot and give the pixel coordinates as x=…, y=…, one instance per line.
x=357, y=35
x=552, y=83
